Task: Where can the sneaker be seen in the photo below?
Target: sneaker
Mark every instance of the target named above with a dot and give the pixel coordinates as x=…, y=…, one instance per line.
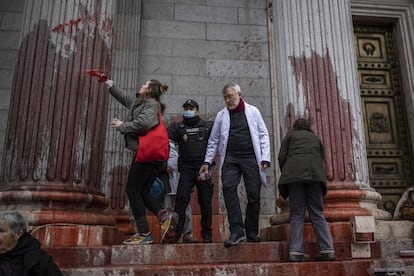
x=170, y=237
x=165, y=217
x=190, y=239
x=298, y=257
x=234, y=239
x=139, y=238
x=168, y=221
x=326, y=257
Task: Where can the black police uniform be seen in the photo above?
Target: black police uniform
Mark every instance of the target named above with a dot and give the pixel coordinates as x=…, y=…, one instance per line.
x=192, y=135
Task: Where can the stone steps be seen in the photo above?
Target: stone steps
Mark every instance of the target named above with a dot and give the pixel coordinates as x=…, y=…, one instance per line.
x=338, y=268
x=168, y=254
x=183, y=254
x=269, y=257
x=264, y=258
x=187, y=254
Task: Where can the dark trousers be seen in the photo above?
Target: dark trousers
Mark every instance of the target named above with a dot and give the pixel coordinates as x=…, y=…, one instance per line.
x=231, y=172
x=304, y=196
x=188, y=178
x=141, y=176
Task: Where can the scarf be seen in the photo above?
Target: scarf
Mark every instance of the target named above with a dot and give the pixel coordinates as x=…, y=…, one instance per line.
x=240, y=107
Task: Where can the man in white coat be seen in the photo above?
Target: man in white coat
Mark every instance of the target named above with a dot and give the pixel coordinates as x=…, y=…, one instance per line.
x=241, y=138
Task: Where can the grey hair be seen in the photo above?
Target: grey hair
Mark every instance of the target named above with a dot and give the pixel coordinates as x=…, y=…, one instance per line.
x=233, y=86
x=15, y=220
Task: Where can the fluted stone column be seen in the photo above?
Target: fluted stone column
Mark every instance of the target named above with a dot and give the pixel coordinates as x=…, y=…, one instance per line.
x=57, y=123
x=317, y=78
x=117, y=159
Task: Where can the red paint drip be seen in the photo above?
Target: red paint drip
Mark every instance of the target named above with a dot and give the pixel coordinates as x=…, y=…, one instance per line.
x=92, y=19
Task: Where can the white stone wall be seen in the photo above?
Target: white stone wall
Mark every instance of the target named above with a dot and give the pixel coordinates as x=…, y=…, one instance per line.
x=196, y=47
x=10, y=26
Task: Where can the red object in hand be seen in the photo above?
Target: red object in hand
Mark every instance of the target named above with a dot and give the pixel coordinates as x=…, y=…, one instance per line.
x=98, y=73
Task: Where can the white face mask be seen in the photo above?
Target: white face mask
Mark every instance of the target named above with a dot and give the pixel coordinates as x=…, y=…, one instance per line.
x=189, y=114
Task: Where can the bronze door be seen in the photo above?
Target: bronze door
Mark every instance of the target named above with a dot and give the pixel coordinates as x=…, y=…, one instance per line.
x=385, y=123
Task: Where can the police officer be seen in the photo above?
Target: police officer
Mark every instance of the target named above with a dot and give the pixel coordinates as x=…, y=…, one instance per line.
x=192, y=135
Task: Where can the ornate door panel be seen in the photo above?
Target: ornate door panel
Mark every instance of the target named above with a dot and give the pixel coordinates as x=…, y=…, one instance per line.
x=389, y=156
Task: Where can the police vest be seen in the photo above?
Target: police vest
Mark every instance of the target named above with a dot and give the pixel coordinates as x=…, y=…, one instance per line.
x=194, y=139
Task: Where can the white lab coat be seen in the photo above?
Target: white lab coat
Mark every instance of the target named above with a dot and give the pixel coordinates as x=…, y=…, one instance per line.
x=174, y=175
x=258, y=132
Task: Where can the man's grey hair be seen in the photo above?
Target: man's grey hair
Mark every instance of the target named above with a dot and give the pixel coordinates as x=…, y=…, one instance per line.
x=233, y=86
x=15, y=220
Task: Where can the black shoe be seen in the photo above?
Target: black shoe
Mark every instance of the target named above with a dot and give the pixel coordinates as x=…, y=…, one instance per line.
x=252, y=237
x=325, y=257
x=207, y=238
x=234, y=239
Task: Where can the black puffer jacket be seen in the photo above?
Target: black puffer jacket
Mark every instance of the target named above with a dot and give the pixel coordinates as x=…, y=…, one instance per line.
x=27, y=259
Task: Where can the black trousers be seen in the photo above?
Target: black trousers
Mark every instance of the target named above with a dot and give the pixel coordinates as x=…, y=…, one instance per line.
x=188, y=178
x=141, y=176
x=231, y=172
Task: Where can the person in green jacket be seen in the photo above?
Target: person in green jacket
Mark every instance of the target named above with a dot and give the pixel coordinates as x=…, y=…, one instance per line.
x=303, y=180
x=143, y=116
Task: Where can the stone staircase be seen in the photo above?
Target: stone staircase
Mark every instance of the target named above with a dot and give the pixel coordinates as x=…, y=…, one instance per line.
x=391, y=254
x=265, y=258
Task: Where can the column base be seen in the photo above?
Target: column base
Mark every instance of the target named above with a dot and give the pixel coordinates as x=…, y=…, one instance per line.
x=61, y=215
x=68, y=235
x=340, y=231
x=341, y=235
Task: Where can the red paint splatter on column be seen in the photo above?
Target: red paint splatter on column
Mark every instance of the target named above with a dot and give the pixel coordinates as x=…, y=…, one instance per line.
x=330, y=113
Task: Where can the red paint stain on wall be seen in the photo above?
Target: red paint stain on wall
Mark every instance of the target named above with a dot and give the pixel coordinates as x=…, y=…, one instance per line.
x=60, y=27
x=331, y=114
x=101, y=20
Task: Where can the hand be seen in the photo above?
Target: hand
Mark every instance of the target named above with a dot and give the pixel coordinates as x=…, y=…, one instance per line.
x=109, y=83
x=170, y=170
x=265, y=165
x=203, y=169
x=282, y=203
x=116, y=123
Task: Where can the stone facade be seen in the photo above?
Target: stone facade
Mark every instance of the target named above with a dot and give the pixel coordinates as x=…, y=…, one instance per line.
x=196, y=47
x=11, y=16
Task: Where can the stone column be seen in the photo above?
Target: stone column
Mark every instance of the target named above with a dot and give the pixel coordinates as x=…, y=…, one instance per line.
x=317, y=78
x=57, y=123
x=117, y=159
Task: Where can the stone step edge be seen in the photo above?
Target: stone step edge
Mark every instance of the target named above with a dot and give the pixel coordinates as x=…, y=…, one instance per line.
x=350, y=267
x=187, y=254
